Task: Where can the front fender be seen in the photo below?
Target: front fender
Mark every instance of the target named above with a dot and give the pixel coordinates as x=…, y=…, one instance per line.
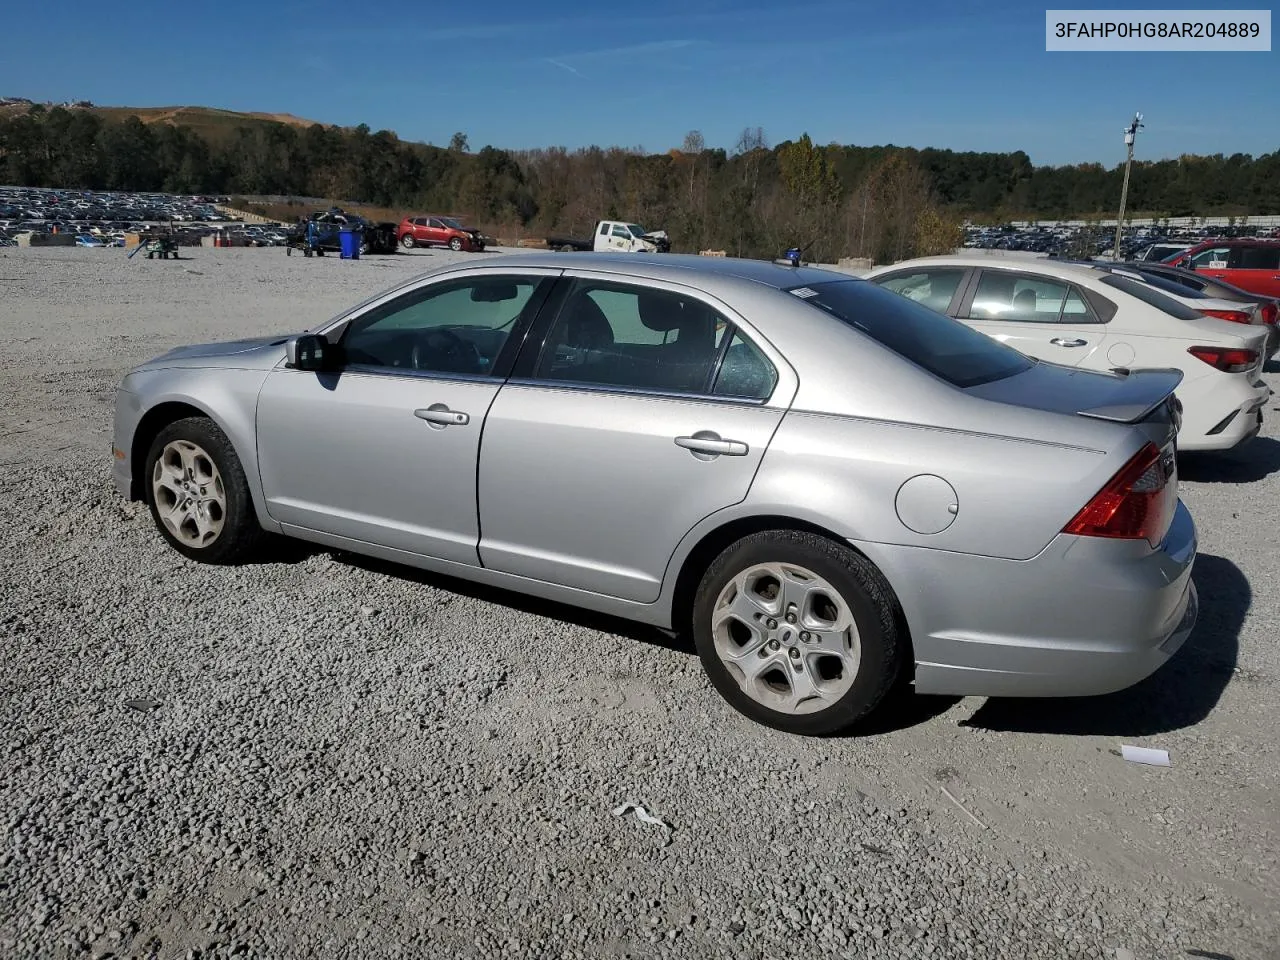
x=228, y=397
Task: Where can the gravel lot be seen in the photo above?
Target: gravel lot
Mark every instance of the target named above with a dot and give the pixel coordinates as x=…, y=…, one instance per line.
x=348, y=759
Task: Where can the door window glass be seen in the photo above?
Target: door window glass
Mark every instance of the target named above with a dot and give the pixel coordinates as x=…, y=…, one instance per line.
x=456, y=326
x=1215, y=259
x=636, y=337
x=621, y=232
x=1020, y=299
x=933, y=288
x=1257, y=258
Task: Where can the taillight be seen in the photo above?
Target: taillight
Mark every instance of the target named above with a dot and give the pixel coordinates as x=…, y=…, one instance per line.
x=1234, y=316
x=1269, y=313
x=1228, y=360
x=1137, y=504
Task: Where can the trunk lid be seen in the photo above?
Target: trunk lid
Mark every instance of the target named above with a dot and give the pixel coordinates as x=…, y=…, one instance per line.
x=1144, y=398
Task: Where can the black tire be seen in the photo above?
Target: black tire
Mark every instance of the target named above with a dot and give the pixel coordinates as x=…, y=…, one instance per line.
x=407, y=241
x=455, y=244
x=241, y=536
x=568, y=248
x=870, y=602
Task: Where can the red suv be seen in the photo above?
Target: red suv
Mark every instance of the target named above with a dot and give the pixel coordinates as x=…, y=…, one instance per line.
x=438, y=232
x=1252, y=265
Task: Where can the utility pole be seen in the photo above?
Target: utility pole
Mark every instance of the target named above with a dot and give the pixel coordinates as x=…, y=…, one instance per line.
x=1130, y=132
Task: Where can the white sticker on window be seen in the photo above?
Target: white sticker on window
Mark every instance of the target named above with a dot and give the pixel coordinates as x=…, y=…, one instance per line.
x=804, y=293
x=1217, y=264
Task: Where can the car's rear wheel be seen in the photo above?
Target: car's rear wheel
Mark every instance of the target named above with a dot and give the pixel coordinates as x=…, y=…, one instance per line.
x=198, y=494
x=797, y=632
x=407, y=241
x=455, y=244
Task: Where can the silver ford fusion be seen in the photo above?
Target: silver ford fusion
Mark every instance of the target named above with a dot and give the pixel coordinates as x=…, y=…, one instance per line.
x=831, y=488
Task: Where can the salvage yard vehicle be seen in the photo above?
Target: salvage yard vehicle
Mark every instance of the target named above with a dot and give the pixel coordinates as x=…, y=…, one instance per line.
x=321, y=232
x=832, y=488
x=1252, y=265
x=437, y=231
x=615, y=236
x=1088, y=315
x=1268, y=308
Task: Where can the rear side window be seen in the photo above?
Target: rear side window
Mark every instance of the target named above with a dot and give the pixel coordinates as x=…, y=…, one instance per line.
x=1258, y=258
x=1027, y=299
x=1151, y=296
x=944, y=347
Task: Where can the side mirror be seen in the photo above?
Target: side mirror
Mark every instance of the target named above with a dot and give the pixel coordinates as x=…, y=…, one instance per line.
x=310, y=351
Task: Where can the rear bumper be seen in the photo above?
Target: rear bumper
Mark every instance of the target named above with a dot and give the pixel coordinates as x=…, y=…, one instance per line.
x=1086, y=616
x=1221, y=416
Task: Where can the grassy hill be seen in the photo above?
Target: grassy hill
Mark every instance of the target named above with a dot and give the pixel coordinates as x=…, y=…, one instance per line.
x=210, y=123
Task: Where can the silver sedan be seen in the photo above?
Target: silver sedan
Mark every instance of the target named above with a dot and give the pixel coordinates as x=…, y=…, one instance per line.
x=834, y=490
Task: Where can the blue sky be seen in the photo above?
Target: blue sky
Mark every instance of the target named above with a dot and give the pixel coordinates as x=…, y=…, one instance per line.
x=576, y=72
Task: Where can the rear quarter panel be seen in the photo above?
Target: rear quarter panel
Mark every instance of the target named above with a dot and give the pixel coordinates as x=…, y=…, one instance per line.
x=1012, y=496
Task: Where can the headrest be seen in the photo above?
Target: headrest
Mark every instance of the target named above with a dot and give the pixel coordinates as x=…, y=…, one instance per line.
x=660, y=311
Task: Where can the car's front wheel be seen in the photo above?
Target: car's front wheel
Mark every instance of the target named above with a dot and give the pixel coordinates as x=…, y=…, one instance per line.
x=455, y=244
x=797, y=632
x=198, y=494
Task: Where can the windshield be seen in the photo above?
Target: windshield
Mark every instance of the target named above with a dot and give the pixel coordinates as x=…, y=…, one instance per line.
x=944, y=347
x=636, y=229
x=1152, y=297
x=450, y=222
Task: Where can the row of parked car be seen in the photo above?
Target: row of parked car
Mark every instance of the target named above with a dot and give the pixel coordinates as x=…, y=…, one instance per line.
x=1211, y=314
x=1144, y=243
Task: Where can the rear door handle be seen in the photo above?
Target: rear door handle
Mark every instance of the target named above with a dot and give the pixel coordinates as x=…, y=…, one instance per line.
x=1063, y=342
x=439, y=414
x=710, y=444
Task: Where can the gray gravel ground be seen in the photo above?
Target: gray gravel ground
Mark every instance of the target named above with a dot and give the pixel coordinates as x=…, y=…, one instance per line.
x=339, y=758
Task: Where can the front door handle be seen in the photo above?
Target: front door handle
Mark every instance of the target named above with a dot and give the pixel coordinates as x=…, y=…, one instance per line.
x=704, y=444
x=439, y=415
x=1063, y=342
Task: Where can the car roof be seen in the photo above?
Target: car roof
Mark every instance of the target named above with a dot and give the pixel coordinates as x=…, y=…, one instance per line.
x=670, y=266
x=1235, y=242
x=1065, y=269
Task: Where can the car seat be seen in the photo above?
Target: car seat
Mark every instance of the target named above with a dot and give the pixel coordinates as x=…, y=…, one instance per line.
x=682, y=363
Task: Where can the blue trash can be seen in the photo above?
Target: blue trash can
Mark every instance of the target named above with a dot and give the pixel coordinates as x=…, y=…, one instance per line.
x=349, y=244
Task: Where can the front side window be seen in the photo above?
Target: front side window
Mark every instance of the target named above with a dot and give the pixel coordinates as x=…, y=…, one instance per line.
x=436, y=223
x=634, y=337
x=457, y=326
x=1025, y=299
x=933, y=288
x=1215, y=259
x=621, y=232
x=944, y=347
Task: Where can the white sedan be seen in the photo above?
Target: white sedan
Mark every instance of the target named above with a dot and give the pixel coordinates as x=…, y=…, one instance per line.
x=1082, y=315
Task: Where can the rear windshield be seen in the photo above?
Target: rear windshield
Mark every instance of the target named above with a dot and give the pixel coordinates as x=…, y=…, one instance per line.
x=1152, y=297
x=1165, y=284
x=945, y=347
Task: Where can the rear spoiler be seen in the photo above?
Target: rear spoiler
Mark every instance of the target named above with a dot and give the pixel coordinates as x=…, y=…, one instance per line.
x=1137, y=394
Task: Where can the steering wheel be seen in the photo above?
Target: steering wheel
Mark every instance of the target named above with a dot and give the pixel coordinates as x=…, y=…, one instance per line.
x=446, y=352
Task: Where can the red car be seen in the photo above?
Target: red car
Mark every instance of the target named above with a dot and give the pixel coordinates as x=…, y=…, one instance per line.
x=1252, y=265
x=436, y=231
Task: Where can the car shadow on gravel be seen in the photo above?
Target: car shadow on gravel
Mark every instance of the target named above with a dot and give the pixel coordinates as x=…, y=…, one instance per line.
x=1180, y=694
x=523, y=602
x=1255, y=460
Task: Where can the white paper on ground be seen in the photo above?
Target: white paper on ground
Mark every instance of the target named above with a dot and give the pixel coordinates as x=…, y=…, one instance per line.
x=1156, y=758
x=643, y=815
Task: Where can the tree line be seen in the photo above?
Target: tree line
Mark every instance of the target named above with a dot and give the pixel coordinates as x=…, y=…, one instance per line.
x=755, y=199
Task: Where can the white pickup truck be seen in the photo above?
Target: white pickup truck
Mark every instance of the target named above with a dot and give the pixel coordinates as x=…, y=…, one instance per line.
x=617, y=236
